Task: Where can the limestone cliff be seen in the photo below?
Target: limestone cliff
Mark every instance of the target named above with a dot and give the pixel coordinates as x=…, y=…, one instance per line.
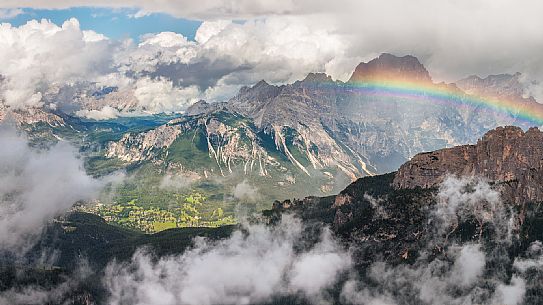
x=506, y=156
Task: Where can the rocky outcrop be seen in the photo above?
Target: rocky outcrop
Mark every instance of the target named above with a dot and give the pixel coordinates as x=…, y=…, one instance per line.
x=137, y=147
x=507, y=156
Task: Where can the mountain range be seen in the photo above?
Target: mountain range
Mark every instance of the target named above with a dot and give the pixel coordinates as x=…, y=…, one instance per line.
x=311, y=137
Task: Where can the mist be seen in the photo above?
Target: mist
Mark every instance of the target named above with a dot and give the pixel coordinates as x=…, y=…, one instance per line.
x=36, y=185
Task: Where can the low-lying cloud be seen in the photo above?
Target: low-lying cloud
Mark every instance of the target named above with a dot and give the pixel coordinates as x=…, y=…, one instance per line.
x=61, y=293
x=254, y=265
x=178, y=181
x=244, y=191
x=463, y=197
x=464, y=273
x=37, y=185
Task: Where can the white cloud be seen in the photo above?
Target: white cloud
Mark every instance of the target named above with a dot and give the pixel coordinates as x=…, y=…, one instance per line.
x=161, y=96
x=139, y=14
x=106, y=113
x=57, y=293
x=466, y=196
x=455, y=38
x=512, y=294
x=535, y=259
x=227, y=55
x=282, y=41
x=246, y=268
x=314, y=271
x=165, y=40
x=469, y=265
x=210, y=29
x=36, y=186
x=464, y=272
x=38, y=55
x=202, y=9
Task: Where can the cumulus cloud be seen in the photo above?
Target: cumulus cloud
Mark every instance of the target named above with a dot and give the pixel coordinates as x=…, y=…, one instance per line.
x=161, y=96
x=210, y=29
x=227, y=55
x=279, y=41
x=252, y=265
x=40, y=56
x=455, y=38
x=165, y=72
x=36, y=186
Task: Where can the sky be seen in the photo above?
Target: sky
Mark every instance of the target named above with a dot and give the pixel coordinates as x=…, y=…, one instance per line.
x=113, y=23
x=169, y=54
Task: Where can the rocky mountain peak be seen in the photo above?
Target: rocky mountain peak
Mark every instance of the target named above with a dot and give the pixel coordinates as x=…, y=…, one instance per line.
x=261, y=84
x=260, y=90
x=318, y=78
x=388, y=66
x=199, y=107
x=506, y=156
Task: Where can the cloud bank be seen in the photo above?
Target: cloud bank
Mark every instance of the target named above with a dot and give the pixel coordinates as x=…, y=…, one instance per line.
x=265, y=263
x=279, y=41
x=165, y=72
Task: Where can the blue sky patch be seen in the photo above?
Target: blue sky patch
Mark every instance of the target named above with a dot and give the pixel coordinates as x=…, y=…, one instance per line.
x=114, y=23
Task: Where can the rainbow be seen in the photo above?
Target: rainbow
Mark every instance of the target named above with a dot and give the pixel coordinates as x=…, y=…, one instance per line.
x=525, y=110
